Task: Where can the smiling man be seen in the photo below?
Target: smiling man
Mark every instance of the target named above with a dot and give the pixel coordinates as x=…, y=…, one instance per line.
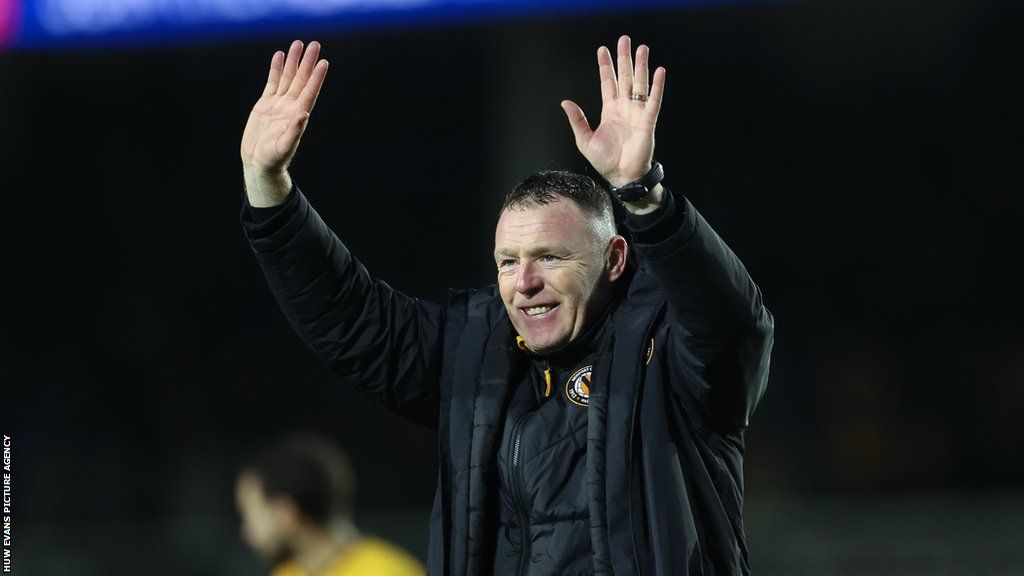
x=558, y=255
x=592, y=406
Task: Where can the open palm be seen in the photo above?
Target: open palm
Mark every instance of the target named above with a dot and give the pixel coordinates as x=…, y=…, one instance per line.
x=622, y=147
x=279, y=118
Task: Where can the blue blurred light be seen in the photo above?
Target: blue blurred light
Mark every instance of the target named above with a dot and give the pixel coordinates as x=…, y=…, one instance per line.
x=59, y=23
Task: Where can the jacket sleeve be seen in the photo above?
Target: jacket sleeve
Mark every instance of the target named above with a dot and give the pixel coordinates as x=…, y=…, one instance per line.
x=385, y=344
x=726, y=331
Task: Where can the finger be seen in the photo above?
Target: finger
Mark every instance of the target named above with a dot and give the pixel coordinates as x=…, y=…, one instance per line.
x=276, y=66
x=290, y=67
x=607, y=71
x=309, y=61
x=316, y=79
x=578, y=123
x=625, y=68
x=657, y=90
x=640, y=78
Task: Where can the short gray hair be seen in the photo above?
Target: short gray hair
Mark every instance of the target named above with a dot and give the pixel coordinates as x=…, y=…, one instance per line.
x=551, y=185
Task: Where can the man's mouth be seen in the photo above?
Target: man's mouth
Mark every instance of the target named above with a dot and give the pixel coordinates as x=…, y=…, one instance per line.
x=538, y=310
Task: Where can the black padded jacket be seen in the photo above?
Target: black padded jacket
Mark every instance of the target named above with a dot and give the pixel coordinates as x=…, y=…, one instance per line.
x=665, y=426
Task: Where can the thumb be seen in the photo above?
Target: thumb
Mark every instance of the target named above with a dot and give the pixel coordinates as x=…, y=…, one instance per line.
x=288, y=142
x=578, y=123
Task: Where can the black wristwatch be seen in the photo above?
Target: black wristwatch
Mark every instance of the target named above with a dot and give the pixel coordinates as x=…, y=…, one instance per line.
x=638, y=189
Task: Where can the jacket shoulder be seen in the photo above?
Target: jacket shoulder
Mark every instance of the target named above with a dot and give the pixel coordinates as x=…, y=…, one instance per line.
x=485, y=301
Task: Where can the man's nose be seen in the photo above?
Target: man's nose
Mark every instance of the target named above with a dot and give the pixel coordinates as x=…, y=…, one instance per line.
x=528, y=282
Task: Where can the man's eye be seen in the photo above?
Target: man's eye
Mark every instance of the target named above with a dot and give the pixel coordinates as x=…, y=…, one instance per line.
x=507, y=263
x=548, y=258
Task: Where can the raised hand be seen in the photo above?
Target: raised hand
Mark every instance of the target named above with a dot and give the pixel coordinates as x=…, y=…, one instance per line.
x=278, y=120
x=622, y=146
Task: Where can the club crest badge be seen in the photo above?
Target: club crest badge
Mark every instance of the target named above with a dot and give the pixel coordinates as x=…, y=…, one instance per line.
x=577, y=389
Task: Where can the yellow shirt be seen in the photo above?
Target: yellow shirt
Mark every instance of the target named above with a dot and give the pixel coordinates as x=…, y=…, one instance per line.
x=365, y=557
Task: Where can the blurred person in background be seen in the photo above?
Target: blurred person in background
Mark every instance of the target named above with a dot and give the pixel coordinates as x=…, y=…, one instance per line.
x=592, y=405
x=295, y=498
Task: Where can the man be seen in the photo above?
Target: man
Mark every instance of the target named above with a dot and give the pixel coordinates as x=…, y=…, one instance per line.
x=295, y=498
x=592, y=406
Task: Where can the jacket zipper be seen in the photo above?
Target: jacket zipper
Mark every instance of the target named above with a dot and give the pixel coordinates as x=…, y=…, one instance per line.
x=518, y=492
x=629, y=454
x=547, y=379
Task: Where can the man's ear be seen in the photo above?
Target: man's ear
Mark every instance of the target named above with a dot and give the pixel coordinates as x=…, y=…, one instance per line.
x=615, y=262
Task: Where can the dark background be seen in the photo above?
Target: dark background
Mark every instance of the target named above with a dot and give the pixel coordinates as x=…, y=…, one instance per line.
x=863, y=158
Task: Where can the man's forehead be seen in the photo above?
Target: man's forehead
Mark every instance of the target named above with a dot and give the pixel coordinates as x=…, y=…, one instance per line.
x=561, y=218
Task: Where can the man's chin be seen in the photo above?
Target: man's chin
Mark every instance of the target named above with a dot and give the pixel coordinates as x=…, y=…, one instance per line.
x=277, y=556
x=546, y=346
x=541, y=341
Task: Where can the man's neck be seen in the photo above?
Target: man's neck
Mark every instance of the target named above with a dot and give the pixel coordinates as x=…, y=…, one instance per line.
x=316, y=548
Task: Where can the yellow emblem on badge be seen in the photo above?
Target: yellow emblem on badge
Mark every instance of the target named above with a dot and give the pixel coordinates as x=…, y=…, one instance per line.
x=577, y=389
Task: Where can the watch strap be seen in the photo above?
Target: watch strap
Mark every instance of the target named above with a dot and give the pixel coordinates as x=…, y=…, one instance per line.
x=639, y=188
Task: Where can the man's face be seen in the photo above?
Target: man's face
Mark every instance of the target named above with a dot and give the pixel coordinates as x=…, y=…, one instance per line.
x=266, y=522
x=553, y=271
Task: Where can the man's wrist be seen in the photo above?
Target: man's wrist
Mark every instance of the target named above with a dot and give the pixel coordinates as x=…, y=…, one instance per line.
x=266, y=189
x=649, y=203
x=636, y=191
x=623, y=179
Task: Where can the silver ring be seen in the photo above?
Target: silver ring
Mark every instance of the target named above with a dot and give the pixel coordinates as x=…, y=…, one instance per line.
x=640, y=97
